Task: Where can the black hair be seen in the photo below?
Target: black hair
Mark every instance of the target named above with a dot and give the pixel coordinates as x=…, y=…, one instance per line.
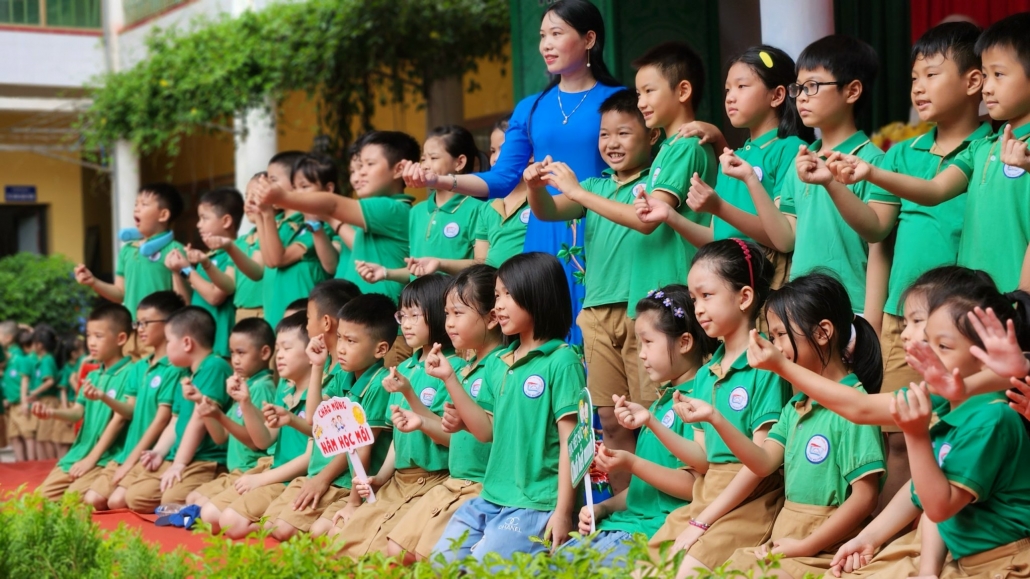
x=318, y=169
x=45, y=336
x=677, y=61
x=300, y=304
x=166, y=302
x=70, y=343
x=623, y=101
x=24, y=339
x=297, y=321
x=193, y=322
x=374, y=312
x=225, y=201
x=952, y=40
x=537, y=283
x=848, y=59
x=167, y=197
x=331, y=295
x=259, y=175
x=674, y=316
x=115, y=314
x=583, y=17
x=474, y=286
x=976, y=289
x=944, y=277
x=428, y=293
x=397, y=146
x=286, y=160
x=739, y=262
x=806, y=301
x=501, y=124
x=258, y=330
x=458, y=141
x=780, y=73
x=1011, y=32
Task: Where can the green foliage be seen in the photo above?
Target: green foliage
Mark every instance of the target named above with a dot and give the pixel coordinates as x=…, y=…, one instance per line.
x=41, y=289
x=340, y=51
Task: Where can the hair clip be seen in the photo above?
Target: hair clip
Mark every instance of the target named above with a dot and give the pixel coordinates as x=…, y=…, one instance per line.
x=659, y=295
x=651, y=293
x=679, y=313
x=667, y=302
x=766, y=59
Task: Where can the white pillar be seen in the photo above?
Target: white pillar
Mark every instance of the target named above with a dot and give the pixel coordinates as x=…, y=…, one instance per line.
x=792, y=25
x=256, y=143
x=125, y=184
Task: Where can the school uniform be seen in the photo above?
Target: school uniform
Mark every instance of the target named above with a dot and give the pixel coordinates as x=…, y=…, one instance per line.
x=20, y=422
x=748, y=399
x=824, y=239
x=249, y=297
x=420, y=463
x=384, y=240
x=96, y=416
x=824, y=454
x=420, y=529
x=446, y=231
x=46, y=367
x=283, y=285
x=926, y=238
x=504, y=231
x=209, y=459
x=144, y=275
x=526, y=397
x=225, y=312
x=996, y=230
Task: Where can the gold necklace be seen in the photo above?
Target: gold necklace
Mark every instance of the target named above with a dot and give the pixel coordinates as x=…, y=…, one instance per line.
x=565, y=121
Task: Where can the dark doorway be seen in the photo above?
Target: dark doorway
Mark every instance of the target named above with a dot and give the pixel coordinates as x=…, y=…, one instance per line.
x=23, y=228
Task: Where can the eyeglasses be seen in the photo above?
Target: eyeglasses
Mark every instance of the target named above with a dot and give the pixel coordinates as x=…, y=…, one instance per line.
x=401, y=317
x=142, y=324
x=810, y=88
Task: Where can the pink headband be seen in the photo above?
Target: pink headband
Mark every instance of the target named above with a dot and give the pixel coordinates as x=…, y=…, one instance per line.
x=747, y=256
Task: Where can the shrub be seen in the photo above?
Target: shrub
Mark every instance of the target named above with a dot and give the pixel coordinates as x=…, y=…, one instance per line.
x=41, y=289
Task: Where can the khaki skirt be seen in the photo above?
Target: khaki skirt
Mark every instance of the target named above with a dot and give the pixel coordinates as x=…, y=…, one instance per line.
x=1010, y=561
x=900, y=558
x=420, y=529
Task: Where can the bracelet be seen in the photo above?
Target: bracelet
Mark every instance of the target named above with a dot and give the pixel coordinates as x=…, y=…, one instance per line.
x=699, y=525
x=186, y=271
x=313, y=224
x=337, y=230
x=454, y=182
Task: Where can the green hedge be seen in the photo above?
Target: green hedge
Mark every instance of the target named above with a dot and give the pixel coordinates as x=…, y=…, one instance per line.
x=41, y=289
x=44, y=539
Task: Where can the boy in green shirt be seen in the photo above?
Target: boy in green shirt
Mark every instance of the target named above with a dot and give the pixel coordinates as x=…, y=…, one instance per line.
x=212, y=275
x=21, y=423
x=153, y=381
x=245, y=253
x=101, y=436
x=195, y=458
x=137, y=275
x=250, y=387
x=43, y=388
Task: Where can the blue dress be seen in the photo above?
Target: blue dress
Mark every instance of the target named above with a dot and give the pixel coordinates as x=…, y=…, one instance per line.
x=574, y=144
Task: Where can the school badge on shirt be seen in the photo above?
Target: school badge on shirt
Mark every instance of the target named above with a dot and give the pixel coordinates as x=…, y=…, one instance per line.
x=155, y=381
x=451, y=230
x=738, y=398
x=524, y=217
x=475, y=387
x=1013, y=172
x=534, y=386
x=427, y=395
x=758, y=173
x=668, y=419
x=817, y=449
x=942, y=453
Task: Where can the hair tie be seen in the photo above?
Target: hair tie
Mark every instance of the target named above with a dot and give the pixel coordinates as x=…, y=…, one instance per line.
x=659, y=296
x=747, y=256
x=766, y=59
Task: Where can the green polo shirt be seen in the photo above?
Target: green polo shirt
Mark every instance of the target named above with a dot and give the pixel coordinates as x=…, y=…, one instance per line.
x=506, y=234
x=927, y=237
x=248, y=292
x=773, y=159
x=335, y=383
x=143, y=275
x=97, y=415
x=646, y=506
x=824, y=454
x=982, y=448
x=663, y=257
x=224, y=313
x=155, y=383
x=346, y=260
x=209, y=379
x=996, y=230
x=609, y=244
x=286, y=284
x=239, y=456
x=46, y=367
x=748, y=398
x=824, y=239
x=468, y=457
x=367, y=390
x=446, y=231
x=526, y=398
x=416, y=449
x=384, y=240
x=290, y=443
x=16, y=362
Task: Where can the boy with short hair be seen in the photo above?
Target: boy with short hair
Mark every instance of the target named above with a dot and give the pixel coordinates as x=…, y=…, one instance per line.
x=43, y=388
x=153, y=381
x=136, y=275
x=248, y=265
x=607, y=205
x=8, y=330
x=195, y=457
x=212, y=275
x=250, y=496
x=101, y=436
x=996, y=229
x=22, y=424
x=250, y=387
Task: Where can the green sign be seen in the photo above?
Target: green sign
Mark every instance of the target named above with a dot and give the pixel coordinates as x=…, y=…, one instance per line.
x=581, y=441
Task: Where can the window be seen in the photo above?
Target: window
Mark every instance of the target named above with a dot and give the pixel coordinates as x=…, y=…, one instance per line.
x=136, y=10
x=51, y=13
x=19, y=12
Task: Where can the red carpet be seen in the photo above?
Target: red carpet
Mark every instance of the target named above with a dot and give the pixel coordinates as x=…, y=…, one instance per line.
x=32, y=474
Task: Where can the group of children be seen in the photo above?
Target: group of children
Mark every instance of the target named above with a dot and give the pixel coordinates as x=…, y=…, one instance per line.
x=867, y=274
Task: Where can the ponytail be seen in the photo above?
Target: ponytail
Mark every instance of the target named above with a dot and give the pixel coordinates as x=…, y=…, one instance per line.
x=866, y=358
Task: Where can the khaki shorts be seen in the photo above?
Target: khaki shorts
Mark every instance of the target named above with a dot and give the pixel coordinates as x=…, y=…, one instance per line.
x=610, y=351
x=1010, y=561
x=282, y=506
x=896, y=372
x=144, y=495
x=900, y=558
x=748, y=525
x=795, y=521
x=19, y=425
x=420, y=529
x=398, y=353
x=58, y=483
x=247, y=313
x=253, y=504
x=103, y=483
x=56, y=430
x=781, y=266
x=134, y=474
x=3, y=431
x=367, y=530
x=225, y=482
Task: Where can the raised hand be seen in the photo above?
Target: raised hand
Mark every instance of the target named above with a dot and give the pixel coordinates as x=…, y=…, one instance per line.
x=317, y=351
x=417, y=176
x=921, y=358
x=451, y=421
x=651, y=211
x=370, y=272
x=275, y=416
x=630, y=414
x=692, y=410
x=912, y=409
x=763, y=355
x=437, y=365
x=405, y=420
x=812, y=169
x=421, y=266
x=534, y=173
x=612, y=460
x=733, y=166
x=84, y=276
x=396, y=382
x=1014, y=151
x=562, y=178
x=176, y=261
x=1001, y=353
x=701, y=197
x=237, y=389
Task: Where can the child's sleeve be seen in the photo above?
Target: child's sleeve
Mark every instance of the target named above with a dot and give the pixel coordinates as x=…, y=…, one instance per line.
x=977, y=456
x=376, y=403
x=860, y=452
x=679, y=162
x=867, y=192
x=771, y=393
x=790, y=188
x=965, y=161
x=48, y=369
x=94, y=379
x=385, y=217
x=133, y=378
x=123, y=256
x=211, y=383
x=778, y=433
x=263, y=391
x=567, y=383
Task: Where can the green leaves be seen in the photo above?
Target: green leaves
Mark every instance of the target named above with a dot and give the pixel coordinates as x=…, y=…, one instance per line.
x=342, y=52
x=41, y=289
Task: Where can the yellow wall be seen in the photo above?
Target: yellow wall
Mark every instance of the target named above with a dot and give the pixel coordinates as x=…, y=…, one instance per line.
x=59, y=187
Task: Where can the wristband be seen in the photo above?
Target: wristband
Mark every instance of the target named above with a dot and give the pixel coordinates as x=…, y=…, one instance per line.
x=454, y=182
x=186, y=271
x=699, y=525
x=313, y=225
